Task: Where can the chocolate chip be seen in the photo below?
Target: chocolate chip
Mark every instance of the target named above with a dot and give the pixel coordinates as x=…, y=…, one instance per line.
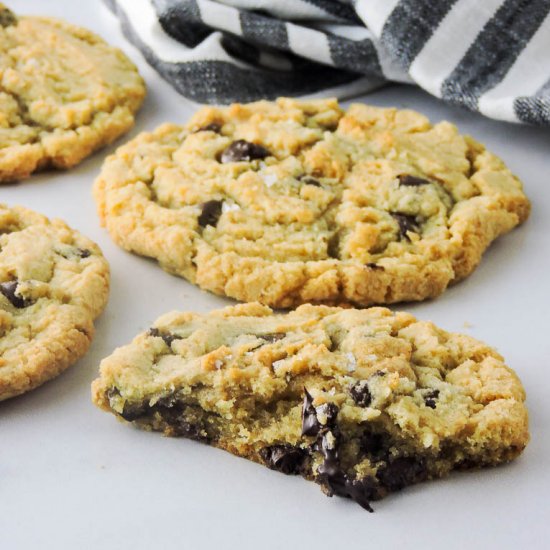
x=406, y=223
x=168, y=337
x=7, y=17
x=284, y=458
x=212, y=127
x=9, y=289
x=176, y=415
x=375, y=445
x=133, y=411
x=329, y=473
x=72, y=252
x=378, y=374
x=211, y=212
x=400, y=472
x=272, y=337
x=411, y=181
x=189, y=430
x=310, y=421
x=333, y=246
x=361, y=491
x=360, y=393
x=374, y=266
x=112, y=392
x=310, y=424
x=328, y=447
x=430, y=398
x=84, y=252
x=242, y=150
x=330, y=411
x=335, y=480
x=309, y=180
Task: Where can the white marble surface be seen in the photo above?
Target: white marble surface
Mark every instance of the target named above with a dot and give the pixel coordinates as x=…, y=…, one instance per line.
x=73, y=477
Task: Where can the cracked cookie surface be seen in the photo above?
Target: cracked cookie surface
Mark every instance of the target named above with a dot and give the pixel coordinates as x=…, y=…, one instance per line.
x=364, y=402
x=64, y=93
x=290, y=202
x=53, y=283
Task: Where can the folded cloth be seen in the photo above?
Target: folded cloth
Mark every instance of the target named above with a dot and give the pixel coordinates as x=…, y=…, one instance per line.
x=491, y=56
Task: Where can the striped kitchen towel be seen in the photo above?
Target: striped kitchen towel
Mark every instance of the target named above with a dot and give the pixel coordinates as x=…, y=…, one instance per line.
x=491, y=56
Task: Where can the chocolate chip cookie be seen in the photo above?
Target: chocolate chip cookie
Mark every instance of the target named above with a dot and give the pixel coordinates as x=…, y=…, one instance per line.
x=363, y=402
x=53, y=283
x=64, y=93
x=290, y=202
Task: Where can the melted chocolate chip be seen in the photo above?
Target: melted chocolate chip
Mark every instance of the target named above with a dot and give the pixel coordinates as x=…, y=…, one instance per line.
x=330, y=411
x=284, y=458
x=212, y=127
x=360, y=393
x=310, y=424
x=361, y=491
x=335, y=480
x=411, y=181
x=310, y=421
x=9, y=290
x=168, y=337
x=406, y=223
x=309, y=180
x=329, y=473
x=242, y=150
x=374, y=266
x=327, y=444
x=430, y=398
x=211, y=212
x=272, y=337
x=401, y=472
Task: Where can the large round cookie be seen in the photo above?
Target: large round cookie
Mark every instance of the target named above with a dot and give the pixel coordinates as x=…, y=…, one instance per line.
x=364, y=402
x=292, y=202
x=64, y=93
x=53, y=283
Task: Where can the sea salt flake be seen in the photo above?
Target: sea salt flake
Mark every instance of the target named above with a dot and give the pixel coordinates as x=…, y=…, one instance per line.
x=269, y=179
x=352, y=361
x=278, y=364
x=230, y=207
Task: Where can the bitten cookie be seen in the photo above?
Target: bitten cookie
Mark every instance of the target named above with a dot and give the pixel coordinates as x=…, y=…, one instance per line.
x=364, y=402
x=290, y=202
x=64, y=93
x=53, y=283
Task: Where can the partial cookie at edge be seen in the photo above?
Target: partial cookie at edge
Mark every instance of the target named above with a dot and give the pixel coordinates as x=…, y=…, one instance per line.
x=53, y=283
x=64, y=93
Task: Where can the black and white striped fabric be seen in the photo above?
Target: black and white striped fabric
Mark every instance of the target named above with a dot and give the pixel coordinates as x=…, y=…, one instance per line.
x=491, y=56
